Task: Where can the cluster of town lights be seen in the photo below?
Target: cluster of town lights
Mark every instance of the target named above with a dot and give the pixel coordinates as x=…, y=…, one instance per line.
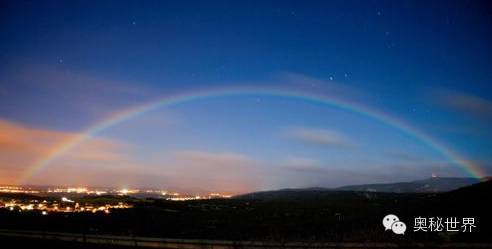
x=65, y=202
x=64, y=205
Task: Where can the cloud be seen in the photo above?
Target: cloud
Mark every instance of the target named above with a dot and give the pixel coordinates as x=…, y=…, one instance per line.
x=301, y=161
x=100, y=151
x=62, y=79
x=107, y=162
x=85, y=96
x=21, y=146
x=320, y=137
x=15, y=137
x=216, y=159
x=303, y=164
x=405, y=157
x=308, y=172
x=329, y=87
x=217, y=171
x=305, y=175
x=467, y=104
x=301, y=172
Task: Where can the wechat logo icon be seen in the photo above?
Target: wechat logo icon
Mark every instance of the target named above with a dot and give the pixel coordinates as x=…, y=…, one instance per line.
x=391, y=222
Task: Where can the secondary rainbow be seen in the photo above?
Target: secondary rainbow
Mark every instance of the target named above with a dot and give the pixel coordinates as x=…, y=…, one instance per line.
x=126, y=114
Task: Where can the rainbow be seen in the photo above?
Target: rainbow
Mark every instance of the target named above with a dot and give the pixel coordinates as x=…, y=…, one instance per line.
x=130, y=113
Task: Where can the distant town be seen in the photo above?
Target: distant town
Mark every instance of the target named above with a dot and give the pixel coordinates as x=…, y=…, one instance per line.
x=74, y=199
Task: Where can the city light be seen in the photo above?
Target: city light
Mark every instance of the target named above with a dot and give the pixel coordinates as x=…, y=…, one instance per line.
x=67, y=198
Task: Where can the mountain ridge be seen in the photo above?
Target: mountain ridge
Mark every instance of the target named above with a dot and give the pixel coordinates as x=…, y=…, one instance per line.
x=428, y=185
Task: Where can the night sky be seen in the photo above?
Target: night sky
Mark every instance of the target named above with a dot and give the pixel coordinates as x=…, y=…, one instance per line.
x=66, y=66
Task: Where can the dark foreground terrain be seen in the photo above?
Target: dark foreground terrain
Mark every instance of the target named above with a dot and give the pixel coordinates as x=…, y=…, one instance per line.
x=82, y=241
x=308, y=216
